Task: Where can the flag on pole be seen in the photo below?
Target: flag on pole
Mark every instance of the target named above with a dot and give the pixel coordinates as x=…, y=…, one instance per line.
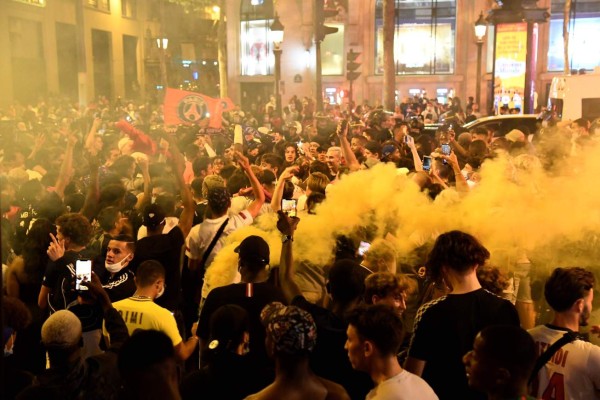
x=182, y=107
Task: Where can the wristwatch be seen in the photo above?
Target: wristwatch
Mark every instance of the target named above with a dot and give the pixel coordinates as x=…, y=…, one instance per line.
x=287, y=238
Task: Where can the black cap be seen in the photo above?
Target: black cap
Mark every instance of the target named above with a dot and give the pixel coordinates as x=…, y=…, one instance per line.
x=254, y=248
x=154, y=215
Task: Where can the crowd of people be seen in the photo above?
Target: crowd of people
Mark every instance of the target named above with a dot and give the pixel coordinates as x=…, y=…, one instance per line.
x=240, y=262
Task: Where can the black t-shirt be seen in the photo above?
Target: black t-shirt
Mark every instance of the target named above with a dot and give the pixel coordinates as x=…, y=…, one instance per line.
x=59, y=278
x=329, y=359
x=238, y=293
x=119, y=286
x=166, y=249
x=444, y=331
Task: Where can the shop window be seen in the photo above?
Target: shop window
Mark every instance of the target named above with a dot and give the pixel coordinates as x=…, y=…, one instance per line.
x=256, y=47
x=424, y=37
x=584, y=30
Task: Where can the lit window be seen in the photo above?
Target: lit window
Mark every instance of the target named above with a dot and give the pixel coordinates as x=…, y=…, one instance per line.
x=256, y=47
x=424, y=37
x=103, y=5
x=584, y=29
x=39, y=3
x=128, y=8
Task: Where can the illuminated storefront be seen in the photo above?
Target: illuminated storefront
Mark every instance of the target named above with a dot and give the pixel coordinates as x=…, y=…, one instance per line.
x=584, y=31
x=424, y=37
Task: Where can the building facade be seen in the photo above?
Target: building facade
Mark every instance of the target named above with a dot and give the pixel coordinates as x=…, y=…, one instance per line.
x=435, y=49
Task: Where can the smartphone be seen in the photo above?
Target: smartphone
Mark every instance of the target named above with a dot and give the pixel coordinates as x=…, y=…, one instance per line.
x=83, y=273
x=289, y=207
x=363, y=247
x=426, y=163
x=406, y=139
x=446, y=149
x=299, y=145
x=343, y=125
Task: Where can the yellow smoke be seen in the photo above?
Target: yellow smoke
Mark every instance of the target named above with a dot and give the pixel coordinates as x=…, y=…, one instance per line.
x=518, y=208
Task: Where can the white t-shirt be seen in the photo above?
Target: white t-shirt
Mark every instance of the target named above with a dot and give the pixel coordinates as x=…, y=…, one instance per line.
x=170, y=223
x=573, y=372
x=404, y=386
x=202, y=234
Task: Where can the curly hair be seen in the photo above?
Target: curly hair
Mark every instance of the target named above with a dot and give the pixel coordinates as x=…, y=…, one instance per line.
x=76, y=227
x=492, y=279
x=456, y=250
x=15, y=312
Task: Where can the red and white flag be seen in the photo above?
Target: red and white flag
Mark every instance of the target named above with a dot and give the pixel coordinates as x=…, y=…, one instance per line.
x=182, y=107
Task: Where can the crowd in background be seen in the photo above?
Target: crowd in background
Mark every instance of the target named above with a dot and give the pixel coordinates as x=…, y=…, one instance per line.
x=152, y=207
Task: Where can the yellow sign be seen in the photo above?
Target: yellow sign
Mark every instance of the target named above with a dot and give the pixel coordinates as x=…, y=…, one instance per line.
x=511, y=65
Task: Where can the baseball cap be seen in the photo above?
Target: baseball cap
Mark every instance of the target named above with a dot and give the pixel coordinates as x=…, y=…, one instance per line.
x=254, y=248
x=387, y=150
x=292, y=329
x=154, y=215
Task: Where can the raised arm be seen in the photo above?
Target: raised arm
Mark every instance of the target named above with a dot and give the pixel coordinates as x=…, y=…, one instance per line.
x=89, y=140
x=90, y=206
x=64, y=176
x=142, y=162
x=142, y=141
x=347, y=153
x=410, y=142
x=287, y=227
x=287, y=174
x=259, y=195
x=456, y=146
x=461, y=183
x=186, y=218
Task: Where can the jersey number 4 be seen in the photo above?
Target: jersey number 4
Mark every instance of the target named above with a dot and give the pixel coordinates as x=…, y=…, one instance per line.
x=556, y=388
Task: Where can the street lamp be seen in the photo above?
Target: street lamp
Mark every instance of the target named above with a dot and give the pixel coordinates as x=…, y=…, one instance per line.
x=276, y=29
x=480, y=29
x=163, y=44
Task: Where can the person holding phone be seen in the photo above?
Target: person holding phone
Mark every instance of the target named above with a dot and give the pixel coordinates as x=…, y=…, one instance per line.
x=69, y=245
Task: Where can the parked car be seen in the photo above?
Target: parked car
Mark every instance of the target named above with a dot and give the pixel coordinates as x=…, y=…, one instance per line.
x=501, y=123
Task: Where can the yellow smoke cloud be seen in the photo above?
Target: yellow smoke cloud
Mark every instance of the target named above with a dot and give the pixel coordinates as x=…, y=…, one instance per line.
x=518, y=208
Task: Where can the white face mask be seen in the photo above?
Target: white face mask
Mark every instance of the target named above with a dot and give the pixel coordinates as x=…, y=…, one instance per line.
x=114, y=268
x=160, y=292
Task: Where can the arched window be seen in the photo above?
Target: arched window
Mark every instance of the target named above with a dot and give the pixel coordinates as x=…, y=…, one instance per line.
x=424, y=37
x=584, y=30
x=257, y=57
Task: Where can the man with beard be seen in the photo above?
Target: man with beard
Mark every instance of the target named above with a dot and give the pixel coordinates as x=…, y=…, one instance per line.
x=572, y=372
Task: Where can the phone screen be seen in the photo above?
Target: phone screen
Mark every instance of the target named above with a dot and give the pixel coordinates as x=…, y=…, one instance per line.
x=83, y=273
x=363, y=247
x=426, y=163
x=446, y=149
x=289, y=207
